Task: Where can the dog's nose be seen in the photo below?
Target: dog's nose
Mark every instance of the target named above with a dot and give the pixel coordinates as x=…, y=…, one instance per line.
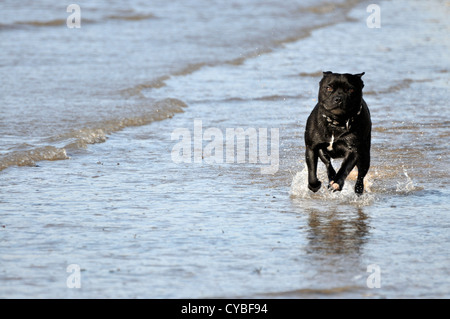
x=338, y=100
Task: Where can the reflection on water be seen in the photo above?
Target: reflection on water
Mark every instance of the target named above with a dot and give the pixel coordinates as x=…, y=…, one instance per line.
x=336, y=232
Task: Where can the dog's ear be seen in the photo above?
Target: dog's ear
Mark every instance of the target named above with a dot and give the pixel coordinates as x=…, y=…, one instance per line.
x=327, y=73
x=359, y=75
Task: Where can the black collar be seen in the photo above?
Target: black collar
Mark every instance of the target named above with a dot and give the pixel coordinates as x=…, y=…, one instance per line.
x=348, y=123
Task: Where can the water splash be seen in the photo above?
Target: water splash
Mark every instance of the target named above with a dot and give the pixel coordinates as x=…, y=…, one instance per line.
x=405, y=186
x=299, y=189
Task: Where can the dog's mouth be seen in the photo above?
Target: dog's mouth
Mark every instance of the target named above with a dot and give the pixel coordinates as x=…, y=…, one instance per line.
x=340, y=105
x=337, y=108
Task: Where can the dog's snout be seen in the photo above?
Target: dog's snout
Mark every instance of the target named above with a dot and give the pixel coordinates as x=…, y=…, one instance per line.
x=338, y=99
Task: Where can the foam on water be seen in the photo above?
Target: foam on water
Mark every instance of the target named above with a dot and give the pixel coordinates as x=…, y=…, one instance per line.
x=31, y=157
x=56, y=147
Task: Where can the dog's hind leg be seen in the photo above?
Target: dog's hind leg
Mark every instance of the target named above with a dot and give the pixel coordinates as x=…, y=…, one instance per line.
x=363, y=165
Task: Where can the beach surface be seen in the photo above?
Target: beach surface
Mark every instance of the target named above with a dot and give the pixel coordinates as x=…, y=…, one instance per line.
x=118, y=179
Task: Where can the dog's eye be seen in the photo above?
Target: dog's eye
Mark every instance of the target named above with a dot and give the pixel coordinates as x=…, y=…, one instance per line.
x=329, y=88
x=350, y=90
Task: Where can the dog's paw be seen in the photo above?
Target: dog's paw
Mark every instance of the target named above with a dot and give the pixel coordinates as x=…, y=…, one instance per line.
x=315, y=187
x=359, y=188
x=334, y=186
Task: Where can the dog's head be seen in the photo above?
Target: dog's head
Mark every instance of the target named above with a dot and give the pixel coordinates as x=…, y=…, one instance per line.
x=341, y=94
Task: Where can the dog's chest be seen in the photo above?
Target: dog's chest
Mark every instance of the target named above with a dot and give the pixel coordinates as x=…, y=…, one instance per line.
x=337, y=141
x=330, y=145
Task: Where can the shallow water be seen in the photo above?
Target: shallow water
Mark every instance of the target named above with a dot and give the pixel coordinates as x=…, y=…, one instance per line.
x=116, y=202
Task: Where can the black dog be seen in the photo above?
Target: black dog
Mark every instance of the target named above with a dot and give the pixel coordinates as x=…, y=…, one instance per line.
x=339, y=126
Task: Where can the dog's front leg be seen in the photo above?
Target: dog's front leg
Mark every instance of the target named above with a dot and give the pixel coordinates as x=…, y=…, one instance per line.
x=327, y=161
x=347, y=165
x=311, y=157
